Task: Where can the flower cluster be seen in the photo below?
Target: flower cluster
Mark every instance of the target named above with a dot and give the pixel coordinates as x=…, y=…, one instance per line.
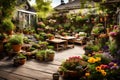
x=93, y=60
x=115, y=31
x=98, y=69
x=41, y=24
x=73, y=63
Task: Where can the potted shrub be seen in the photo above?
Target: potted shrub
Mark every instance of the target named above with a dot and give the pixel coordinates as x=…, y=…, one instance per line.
x=64, y=34
x=16, y=42
x=19, y=59
x=7, y=48
x=50, y=36
x=73, y=67
x=43, y=44
x=50, y=53
x=3, y=37
x=9, y=26
x=40, y=55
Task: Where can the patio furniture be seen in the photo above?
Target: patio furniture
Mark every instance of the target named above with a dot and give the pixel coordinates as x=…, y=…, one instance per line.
x=70, y=41
x=58, y=43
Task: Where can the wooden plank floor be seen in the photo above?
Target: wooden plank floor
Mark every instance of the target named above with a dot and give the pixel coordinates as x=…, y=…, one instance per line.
x=34, y=70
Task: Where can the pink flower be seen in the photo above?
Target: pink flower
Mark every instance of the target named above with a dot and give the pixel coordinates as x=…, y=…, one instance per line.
x=113, y=34
x=115, y=26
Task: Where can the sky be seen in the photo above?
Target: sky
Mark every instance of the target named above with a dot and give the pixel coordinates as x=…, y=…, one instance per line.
x=54, y=2
x=57, y=2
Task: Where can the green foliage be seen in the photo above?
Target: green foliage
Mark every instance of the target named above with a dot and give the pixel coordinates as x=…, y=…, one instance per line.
x=95, y=30
x=20, y=56
x=7, y=8
x=7, y=46
x=8, y=25
x=16, y=39
x=50, y=47
x=43, y=8
x=40, y=53
x=50, y=35
x=50, y=51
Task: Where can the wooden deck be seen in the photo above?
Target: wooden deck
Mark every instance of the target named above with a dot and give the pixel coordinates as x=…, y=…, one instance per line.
x=34, y=70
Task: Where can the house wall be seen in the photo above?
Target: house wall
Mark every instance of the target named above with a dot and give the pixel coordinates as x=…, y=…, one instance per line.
x=26, y=18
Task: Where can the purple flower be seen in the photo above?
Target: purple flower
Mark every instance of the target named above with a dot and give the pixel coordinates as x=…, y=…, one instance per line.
x=111, y=64
x=114, y=67
x=118, y=52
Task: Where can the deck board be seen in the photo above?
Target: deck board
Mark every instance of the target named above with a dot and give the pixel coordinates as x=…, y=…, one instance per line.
x=35, y=70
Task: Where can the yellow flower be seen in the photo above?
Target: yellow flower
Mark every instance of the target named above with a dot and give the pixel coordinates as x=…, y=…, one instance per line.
x=89, y=55
x=98, y=59
x=87, y=74
x=103, y=73
x=98, y=68
x=91, y=60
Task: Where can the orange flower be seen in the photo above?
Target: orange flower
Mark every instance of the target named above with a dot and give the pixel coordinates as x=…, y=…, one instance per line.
x=98, y=68
x=87, y=74
x=115, y=64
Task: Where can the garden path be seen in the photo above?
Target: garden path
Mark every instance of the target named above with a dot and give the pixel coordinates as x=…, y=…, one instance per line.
x=34, y=70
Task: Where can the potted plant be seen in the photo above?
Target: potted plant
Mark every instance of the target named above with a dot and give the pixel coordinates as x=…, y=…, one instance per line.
x=16, y=42
x=7, y=48
x=3, y=37
x=9, y=26
x=40, y=55
x=19, y=59
x=50, y=36
x=50, y=53
x=73, y=67
x=64, y=34
x=43, y=44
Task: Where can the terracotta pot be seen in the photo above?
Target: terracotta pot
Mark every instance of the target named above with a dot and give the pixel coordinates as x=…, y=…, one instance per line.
x=1, y=47
x=40, y=58
x=10, y=32
x=22, y=61
x=16, y=48
x=51, y=38
x=51, y=57
x=70, y=74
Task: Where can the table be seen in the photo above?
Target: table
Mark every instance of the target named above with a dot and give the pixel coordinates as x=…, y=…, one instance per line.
x=69, y=39
x=58, y=42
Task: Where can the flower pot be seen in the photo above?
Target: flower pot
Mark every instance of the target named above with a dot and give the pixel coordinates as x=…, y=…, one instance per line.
x=20, y=61
x=70, y=74
x=40, y=58
x=51, y=57
x=16, y=48
x=1, y=47
x=51, y=38
x=10, y=32
x=55, y=76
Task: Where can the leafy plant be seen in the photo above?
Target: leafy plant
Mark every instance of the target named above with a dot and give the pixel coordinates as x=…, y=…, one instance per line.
x=16, y=39
x=50, y=51
x=8, y=25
